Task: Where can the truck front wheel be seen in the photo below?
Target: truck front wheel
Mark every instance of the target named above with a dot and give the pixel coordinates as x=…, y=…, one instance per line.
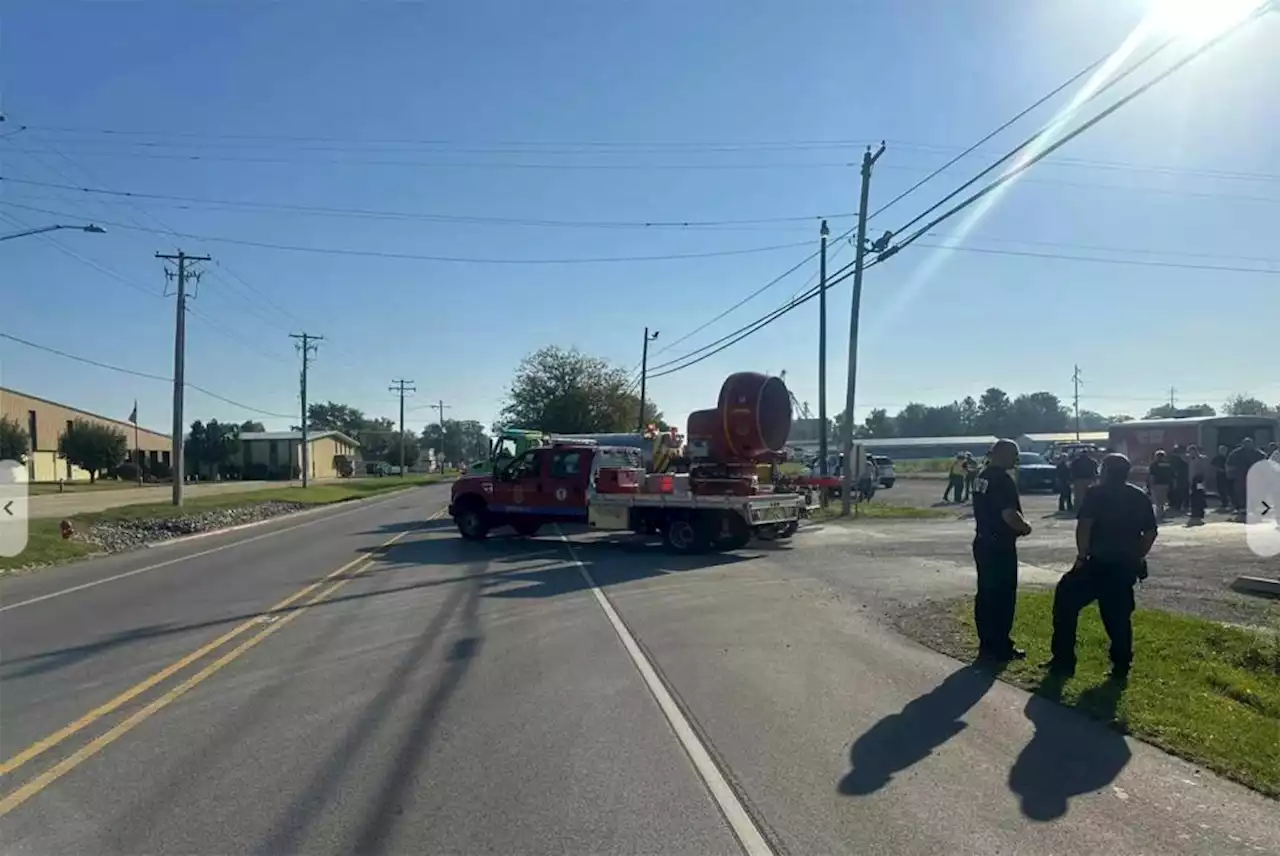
x=526, y=528
x=473, y=521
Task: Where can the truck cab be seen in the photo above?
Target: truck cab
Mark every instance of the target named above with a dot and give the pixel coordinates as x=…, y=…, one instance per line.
x=508, y=445
x=544, y=484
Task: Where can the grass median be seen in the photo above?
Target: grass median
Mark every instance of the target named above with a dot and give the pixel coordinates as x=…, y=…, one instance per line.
x=1207, y=692
x=45, y=545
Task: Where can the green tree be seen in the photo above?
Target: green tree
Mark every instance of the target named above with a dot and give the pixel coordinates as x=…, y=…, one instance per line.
x=460, y=441
x=1037, y=413
x=331, y=416
x=567, y=392
x=1241, y=405
x=969, y=414
x=879, y=424
x=252, y=427
x=14, y=443
x=995, y=413
x=374, y=437
x=411, y=450
x=93, y=446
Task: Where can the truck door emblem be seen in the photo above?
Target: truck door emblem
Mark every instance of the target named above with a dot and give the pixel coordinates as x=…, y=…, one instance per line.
x=519, y=494
x=561, y=494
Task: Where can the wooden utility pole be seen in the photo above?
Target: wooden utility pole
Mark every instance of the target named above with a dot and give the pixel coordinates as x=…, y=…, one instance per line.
x=1075, y=380
x=402, y=386
x=644, y=371
x=440, y=407
x=859, y=262
x=823, y=233
x=307, y=348
x=179, y=471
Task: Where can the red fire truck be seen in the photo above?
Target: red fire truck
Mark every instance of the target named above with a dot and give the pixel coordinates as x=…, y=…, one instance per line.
x=718, y=504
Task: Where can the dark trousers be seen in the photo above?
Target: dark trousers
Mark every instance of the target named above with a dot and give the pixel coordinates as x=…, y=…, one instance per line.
x=1224, y=489
x=1178, y=495
x=997, y=596
x=1238, y=493
x=1065, y=502
x=1199, y=501
x=1112, y=588
x=955, y=484
x=969, y=479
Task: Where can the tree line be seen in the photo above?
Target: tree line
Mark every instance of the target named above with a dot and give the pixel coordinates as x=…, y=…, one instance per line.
x=995, y=413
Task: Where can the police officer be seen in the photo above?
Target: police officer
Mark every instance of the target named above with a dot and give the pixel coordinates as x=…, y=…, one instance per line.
x=1115, y=529
x=998, y=523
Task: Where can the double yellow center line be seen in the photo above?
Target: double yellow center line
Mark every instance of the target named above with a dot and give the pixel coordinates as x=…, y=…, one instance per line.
x=326, y=586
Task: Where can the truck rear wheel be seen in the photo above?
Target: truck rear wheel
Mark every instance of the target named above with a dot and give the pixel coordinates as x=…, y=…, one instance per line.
x=693, y=533
x=735, y=533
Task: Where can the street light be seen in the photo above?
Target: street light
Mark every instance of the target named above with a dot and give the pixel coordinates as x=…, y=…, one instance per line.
x=96, y=230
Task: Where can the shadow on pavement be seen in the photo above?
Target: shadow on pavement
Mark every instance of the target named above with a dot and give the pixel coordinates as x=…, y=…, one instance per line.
x=901, y=739
x=1069, y=754
x=610, y=562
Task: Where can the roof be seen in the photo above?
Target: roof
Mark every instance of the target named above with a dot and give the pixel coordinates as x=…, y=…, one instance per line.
x=1195, y=420
x=889, y=442
x=1067, y=437
x=128, y=426
x=295, y=435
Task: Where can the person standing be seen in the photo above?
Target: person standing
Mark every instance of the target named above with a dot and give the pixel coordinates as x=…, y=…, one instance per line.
x=1198, y=472
x=1220, y=481
x=1239, y=462
x=1115, y=531
x=970, y=475
x=955, y=480
x=1180, y=484
x=1159, y=477
x=1084, y=469
x=1062, y=473
x=1274, y=452
x=998, y=524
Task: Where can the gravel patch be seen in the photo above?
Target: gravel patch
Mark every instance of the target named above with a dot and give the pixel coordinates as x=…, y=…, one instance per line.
x=119, y=535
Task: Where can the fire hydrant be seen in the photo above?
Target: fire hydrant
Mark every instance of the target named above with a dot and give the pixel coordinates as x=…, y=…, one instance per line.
x=67, y=529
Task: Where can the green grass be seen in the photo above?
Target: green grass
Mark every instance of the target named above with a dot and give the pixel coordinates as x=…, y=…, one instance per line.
x=923, y=467
x=878, y=511
x=46, y=547
x=1204, y=691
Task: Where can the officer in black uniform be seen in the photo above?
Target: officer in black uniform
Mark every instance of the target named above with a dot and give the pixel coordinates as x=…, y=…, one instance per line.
x=998, y=523
x=1115, y=530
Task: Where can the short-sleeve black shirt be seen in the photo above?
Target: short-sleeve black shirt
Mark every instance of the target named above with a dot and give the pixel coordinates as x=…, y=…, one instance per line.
x=1161, y=472
x=1120, y=514
x=994, y=491
x=1084, y=467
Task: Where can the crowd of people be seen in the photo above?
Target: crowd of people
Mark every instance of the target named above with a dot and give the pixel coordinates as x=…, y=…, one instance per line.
x=1117, y=524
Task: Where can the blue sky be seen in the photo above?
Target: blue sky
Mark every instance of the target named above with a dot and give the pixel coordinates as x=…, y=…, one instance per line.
x=605, y=113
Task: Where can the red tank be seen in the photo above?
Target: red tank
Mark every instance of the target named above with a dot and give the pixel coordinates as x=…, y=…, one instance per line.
x=752, y=420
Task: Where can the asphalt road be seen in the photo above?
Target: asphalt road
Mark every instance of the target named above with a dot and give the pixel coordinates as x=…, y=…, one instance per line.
x=411, y=692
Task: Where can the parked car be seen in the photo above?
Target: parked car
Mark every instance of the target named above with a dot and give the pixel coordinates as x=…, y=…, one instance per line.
x=1035, y=473
x=884, y=468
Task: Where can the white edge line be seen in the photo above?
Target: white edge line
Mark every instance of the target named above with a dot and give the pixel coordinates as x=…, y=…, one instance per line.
x=359, y=506
x=748, y=834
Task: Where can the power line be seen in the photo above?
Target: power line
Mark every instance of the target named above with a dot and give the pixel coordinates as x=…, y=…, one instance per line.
x=1009, y=123
x=1031, y=140
x=344, y=251
x=433, y=217
x=145, y=375
x=1022, y=167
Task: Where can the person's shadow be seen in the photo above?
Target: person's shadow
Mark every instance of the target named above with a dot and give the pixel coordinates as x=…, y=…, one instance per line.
x=904, y=738
x=1069, y=754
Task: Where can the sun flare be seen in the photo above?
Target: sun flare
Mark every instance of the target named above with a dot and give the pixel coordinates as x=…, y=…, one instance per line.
x=1199, y=20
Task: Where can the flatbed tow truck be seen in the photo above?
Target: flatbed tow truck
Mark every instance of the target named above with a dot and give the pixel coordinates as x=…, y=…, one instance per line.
x=718, y=504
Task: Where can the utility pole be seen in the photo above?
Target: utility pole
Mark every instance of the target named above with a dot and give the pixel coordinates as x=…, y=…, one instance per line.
x=402, y=386
x=1172, y=403
x=178, y=471
x=439, y=407
x=859, y=262
x=644, y=370
x=307, y=348
x=1075, y=380
x=823, y=233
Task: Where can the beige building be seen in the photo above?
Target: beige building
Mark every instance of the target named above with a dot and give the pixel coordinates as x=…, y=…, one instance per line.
x=46, y=421
x=267, y=454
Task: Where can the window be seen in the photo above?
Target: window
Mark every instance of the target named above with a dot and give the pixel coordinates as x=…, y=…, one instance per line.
x=528, y=466
x=566, y=464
